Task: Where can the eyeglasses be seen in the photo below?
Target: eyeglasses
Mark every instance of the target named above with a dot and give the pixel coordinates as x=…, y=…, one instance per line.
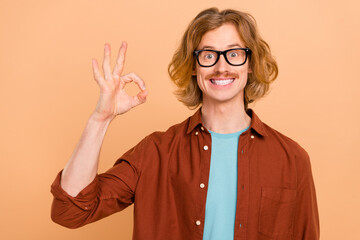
x=234, y=56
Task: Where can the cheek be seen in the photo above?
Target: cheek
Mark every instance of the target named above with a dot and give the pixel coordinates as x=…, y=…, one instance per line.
x=243, y=77
x=200, y=78
x=200, y=82
x=244, y=73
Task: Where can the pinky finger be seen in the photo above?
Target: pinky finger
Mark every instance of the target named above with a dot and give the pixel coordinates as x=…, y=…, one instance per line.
x=97, y=75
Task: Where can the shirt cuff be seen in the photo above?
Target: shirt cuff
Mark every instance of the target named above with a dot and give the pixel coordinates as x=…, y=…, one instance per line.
x=83, y=200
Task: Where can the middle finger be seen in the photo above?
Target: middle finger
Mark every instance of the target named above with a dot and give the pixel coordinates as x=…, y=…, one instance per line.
x=120, y=62
x=106, y=62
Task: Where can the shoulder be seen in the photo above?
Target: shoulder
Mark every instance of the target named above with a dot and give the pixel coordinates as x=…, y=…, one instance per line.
x=287, y=144
x=176, y=131
x=159, y=139
x=156, y=144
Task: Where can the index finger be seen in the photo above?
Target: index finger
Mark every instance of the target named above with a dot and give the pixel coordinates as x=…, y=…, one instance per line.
x=120, y=62
x=132, y=77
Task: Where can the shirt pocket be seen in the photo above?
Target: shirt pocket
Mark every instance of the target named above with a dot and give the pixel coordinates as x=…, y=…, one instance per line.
x=277, y=209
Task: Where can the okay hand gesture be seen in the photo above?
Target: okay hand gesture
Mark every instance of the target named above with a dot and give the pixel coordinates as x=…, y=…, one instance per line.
x=113, y=98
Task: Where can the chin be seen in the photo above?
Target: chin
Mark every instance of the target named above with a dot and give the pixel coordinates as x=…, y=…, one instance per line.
x=225, y=99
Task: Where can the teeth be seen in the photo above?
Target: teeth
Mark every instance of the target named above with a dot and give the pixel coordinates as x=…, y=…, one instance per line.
x=222, y=82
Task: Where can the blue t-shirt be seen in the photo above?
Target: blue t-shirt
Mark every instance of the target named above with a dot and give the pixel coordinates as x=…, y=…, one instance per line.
x=222, y=187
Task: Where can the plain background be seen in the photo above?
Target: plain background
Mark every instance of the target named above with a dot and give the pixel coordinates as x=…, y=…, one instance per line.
x=48, y=92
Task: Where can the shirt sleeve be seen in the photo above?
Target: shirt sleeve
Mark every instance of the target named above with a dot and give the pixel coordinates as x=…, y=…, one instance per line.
x=108, y=193
x=306, y=225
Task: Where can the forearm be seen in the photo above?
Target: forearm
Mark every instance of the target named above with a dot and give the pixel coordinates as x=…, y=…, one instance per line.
x=83, y=164
x=82, y=167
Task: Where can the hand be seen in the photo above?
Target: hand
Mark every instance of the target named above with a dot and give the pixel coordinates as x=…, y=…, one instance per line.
x=113, y=98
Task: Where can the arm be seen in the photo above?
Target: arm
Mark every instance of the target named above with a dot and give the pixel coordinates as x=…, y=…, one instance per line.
x=83, y=164
x=82, y=167
x=79, y=193
x=306, y=217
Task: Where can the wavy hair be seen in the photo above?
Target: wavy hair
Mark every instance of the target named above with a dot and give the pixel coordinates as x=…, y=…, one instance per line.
x=261, y=62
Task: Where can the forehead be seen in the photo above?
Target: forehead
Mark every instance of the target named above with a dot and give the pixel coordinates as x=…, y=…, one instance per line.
x=222, y=37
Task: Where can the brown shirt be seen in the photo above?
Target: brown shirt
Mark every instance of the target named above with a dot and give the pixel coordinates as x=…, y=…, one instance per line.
x=166, y=177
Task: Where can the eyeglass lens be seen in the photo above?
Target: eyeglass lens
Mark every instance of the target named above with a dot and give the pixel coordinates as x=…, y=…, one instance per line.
x=235, y=56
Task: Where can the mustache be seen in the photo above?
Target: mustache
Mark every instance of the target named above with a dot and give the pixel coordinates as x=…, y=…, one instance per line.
x=223, y=75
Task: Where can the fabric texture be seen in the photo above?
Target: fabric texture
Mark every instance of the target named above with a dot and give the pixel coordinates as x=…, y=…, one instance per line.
x=221, y=196
x=163, y=173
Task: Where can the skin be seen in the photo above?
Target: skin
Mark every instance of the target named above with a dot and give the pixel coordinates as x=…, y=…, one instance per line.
x=82, y=167
x=223, y=104
x=222, y=109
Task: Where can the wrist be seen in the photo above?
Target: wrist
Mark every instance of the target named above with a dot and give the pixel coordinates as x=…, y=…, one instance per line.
x=98, y=119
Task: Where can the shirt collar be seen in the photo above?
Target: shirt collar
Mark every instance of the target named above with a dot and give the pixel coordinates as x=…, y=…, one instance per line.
x=256, y=123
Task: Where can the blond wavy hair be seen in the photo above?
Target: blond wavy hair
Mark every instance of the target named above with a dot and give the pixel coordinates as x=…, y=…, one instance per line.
x=261, y=62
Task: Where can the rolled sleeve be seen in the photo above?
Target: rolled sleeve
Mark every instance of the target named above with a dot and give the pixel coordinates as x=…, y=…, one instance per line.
x=108, y=193
x=73, y=212
x=82, y=200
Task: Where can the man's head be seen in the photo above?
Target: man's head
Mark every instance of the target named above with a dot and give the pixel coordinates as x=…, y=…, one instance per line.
x=260, y=67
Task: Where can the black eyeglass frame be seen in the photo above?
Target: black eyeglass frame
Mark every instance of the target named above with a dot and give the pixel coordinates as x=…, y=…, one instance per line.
x=219, y=53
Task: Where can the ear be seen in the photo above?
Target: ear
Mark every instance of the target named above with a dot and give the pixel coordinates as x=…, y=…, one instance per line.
x=249, y=70
x=193, y=72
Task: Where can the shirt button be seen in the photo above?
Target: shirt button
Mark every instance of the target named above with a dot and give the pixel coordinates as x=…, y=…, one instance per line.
x=252, y=136
x=196, y=133
x=202, y=128
x=202, y=185
x=206, y=147
x=198, y=222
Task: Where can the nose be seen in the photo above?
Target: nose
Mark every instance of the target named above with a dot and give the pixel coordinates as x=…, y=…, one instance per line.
x=222, y=65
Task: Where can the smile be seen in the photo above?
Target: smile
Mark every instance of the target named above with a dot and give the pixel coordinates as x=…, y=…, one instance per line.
x=222, y=82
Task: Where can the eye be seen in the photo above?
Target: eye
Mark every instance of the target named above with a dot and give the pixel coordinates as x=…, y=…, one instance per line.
x=209, y=56
x=233, y=54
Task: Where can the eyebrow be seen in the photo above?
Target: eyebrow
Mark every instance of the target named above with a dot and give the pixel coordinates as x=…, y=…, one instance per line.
x=228, y=46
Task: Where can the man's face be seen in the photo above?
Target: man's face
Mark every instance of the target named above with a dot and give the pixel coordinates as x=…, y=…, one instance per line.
x=222, y=82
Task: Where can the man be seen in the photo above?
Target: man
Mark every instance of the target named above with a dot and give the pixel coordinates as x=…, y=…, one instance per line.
x=220, y=174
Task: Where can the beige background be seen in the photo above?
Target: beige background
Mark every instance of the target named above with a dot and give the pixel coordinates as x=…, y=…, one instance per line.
x=47, y=93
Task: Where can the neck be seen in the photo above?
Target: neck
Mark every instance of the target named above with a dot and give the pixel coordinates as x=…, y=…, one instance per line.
x=225, y=117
